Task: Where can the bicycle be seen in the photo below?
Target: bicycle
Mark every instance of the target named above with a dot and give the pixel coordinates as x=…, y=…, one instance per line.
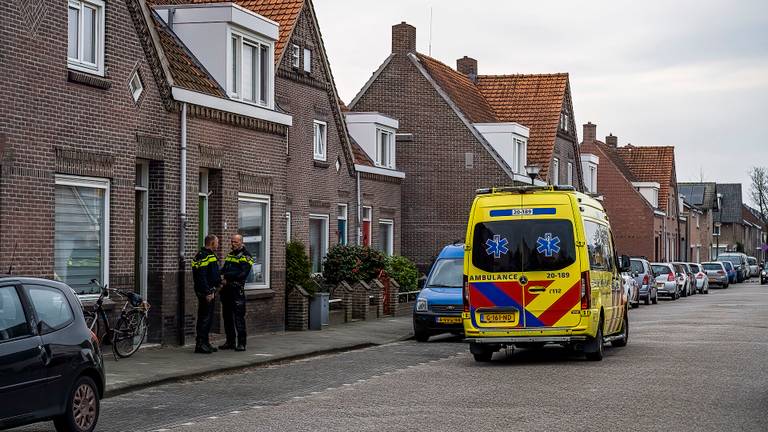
x=131, y=328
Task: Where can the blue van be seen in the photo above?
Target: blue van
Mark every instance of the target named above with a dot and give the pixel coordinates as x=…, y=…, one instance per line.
x=439, y=304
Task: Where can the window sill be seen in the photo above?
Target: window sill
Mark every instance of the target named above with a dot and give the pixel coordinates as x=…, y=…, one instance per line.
x=321, y=164
x=88, y=79
x=259, y=293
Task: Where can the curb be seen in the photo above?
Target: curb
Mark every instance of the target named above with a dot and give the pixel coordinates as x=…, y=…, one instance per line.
x=110, y=393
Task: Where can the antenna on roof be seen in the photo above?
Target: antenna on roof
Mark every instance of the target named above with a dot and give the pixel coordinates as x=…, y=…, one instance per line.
x=430, y=31
x=13, y=258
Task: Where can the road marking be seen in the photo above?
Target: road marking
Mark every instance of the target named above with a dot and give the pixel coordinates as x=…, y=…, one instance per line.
x=188, y=424
x=262, y=355
x=235, y=412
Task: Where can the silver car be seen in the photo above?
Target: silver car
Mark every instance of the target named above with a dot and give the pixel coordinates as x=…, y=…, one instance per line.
x=717, y=274
x=667, y=282
x=754, y=268
x=700, y=278
x=684, y=273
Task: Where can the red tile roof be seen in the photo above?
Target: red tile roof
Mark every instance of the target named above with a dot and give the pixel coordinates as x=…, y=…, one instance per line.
x=284, y=12
x=535, y=101
x=652, y=164
x=361, y=157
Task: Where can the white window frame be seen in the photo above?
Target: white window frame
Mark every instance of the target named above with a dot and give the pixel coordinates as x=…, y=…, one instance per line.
x=369, y=218
x=78, y=63
x=204, y=192
x=307, y=60
x=343, y=215
x=320, y=154
x=262, y=199
x=242, y=38
x=390, y=162
x=288, y=227
x=521, y=150
x=569, y=173
x=326, y=234
x=144, y=187
x=96, y=183
x=135, y=85
x=554, y=176
x=716, y=230
x=388, y=249
x=564, y=121
x=295, y=56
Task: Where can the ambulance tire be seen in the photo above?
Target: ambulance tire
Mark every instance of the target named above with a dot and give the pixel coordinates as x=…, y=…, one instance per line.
x=481, y=353
x=483, y=357
x=595, y=352
x=622, y=342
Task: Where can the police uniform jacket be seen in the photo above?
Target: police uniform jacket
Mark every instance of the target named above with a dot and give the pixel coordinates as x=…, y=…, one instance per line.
x=205, y=271
x=237, y=266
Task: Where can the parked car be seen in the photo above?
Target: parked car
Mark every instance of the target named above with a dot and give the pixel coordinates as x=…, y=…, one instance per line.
x=631, y=290
x=646, y=280
x=683, y=272
x=732, y=273
x=764, y=276
x=667, y=282
x=700, y=279
x=754, y=268
x=717, y=274
x=740, y=264
x=51, y=367
x=439, y=304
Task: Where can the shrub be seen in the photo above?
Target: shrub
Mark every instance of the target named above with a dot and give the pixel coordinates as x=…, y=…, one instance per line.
x=297, y=267
x=404, y=272
x=352, y=264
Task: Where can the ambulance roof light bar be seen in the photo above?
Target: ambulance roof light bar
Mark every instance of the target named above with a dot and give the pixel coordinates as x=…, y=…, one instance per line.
x=524, y=189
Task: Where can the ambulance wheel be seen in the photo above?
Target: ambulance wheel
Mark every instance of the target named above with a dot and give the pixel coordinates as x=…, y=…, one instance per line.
x=483, y=357
x=621, y=342
x=481, y=353
x=594, y=349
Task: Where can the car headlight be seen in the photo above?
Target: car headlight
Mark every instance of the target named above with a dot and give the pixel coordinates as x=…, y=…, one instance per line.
x=421, y=305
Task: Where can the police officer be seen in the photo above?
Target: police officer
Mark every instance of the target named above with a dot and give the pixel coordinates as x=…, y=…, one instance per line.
x=237, y=267
x=205, y=271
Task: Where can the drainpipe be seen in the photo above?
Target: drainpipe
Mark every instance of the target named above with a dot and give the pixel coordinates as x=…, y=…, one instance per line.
x=181, y=297
x=359, y=212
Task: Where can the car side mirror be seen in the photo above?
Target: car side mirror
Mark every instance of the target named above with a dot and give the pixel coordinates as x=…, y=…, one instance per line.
x=422, y=281
x=624, y=264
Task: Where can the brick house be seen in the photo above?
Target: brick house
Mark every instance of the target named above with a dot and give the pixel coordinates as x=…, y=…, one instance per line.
x=753, y=233
x=729, y=230
x=703, y=201
x=462, y=131
x=639, y=188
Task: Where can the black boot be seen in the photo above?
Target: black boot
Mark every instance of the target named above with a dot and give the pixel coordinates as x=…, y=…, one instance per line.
x=227, y=346
x=212, y=348
x=202, y=349
x=240, y=347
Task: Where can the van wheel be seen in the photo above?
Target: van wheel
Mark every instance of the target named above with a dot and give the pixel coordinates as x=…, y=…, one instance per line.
x=421, y=335
x=594, y=349
x=624, y=333
x=82, y=411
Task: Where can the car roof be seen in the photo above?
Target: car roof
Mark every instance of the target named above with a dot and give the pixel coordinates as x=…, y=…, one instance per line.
x=664, y=264
x=455, y=250
x=30, y=280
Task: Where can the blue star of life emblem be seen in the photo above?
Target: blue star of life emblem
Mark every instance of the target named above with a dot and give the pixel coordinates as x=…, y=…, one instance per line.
x=496, y=247
x=548, y=245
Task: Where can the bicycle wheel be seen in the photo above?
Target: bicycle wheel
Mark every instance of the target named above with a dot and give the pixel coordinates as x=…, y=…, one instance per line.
x=129, y=333
x=93, y=322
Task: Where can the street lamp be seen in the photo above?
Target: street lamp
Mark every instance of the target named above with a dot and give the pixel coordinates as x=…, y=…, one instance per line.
x=717, y=237
x=532, y=171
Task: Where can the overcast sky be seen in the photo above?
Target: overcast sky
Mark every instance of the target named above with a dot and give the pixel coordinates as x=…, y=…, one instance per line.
x=693, y=74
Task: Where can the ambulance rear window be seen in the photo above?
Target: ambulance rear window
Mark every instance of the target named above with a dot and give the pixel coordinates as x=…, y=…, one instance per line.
x=523, y=245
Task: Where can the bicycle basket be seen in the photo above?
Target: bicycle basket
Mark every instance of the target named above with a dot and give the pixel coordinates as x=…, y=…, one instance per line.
x=135, y=299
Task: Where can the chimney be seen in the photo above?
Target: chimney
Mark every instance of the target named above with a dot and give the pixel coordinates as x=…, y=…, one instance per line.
x=403, y=38
x=467, y=66
x=590, y=132
x=612, y=141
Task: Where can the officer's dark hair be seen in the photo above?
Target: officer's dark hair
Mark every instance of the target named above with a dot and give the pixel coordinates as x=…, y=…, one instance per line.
x=209, y=239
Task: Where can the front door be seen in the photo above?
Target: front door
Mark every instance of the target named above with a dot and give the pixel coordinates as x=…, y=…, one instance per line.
x=140, y=243
x=21, y=362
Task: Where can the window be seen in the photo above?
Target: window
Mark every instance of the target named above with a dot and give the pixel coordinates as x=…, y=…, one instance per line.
x=341, y=228
x=85, y=36
x=307, y=60
x=318, y=241
x=367, y=214
x=253, y=224
x=521, y=155
x=287, y=227
x=81, y=232
x=295, y=56
x=593, y=179
x=386, y=237
x=135, y=86
x=716, y=230
x=321, y=137
x=250, y=71
x=202, y=207
x=598, y=246
x=52, y=307
x=555, y=175
x=447, y=273
x=564, y=121
x=13, y=320
x=570, y=173
x=385, y=149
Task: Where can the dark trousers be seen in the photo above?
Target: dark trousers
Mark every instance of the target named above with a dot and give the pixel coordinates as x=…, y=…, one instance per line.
x=233, y=312
x=205, y=311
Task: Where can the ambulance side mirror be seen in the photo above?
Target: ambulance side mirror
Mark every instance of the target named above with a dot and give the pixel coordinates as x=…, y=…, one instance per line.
x=624, y=264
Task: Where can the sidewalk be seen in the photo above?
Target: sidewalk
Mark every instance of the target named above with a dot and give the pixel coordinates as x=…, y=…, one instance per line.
x=153, y=366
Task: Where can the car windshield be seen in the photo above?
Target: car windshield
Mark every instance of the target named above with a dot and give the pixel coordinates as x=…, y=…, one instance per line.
x=694, y=268
x=523, y=245
x=447, y=273
x=712, y=266
x=660, y=269
x=752, y=261
x=637, y=266
x=730, y=258
x=728, y=265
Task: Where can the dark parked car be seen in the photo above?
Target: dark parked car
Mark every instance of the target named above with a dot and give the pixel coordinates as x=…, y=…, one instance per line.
x=646, y=280
x=732, y=273
x=51, y=367
x=740, y=264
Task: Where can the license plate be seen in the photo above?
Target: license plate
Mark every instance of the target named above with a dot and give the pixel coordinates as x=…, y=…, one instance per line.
x=449, y=320
x=498, y=317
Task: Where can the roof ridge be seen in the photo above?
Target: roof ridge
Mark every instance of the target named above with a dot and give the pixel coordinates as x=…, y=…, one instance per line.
x=554, y=74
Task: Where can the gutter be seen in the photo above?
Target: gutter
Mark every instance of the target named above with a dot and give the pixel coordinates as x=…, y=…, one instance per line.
x=181, y=283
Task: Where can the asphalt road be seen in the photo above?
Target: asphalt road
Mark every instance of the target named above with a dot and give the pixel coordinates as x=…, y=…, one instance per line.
x=695, y=364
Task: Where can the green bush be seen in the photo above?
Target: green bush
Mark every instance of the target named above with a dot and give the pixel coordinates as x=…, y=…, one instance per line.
x=404, y=272
x=298, y=270
x=352, y=264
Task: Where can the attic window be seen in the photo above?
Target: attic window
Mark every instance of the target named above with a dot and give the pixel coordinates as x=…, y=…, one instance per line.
x=295, y=56
x=85, y=36
x=385, y=149
x=250, y=70
x=135, y=86
x=564, y=121
x=307, y=60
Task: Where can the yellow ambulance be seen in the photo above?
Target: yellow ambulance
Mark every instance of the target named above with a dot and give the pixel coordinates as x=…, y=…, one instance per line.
x=540, y=268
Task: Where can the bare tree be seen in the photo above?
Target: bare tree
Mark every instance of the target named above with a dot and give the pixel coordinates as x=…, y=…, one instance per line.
x=759, y=191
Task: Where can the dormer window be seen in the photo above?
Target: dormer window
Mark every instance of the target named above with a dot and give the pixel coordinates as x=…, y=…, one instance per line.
x=385, y=149
x=85, y=36
x=250, y=69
